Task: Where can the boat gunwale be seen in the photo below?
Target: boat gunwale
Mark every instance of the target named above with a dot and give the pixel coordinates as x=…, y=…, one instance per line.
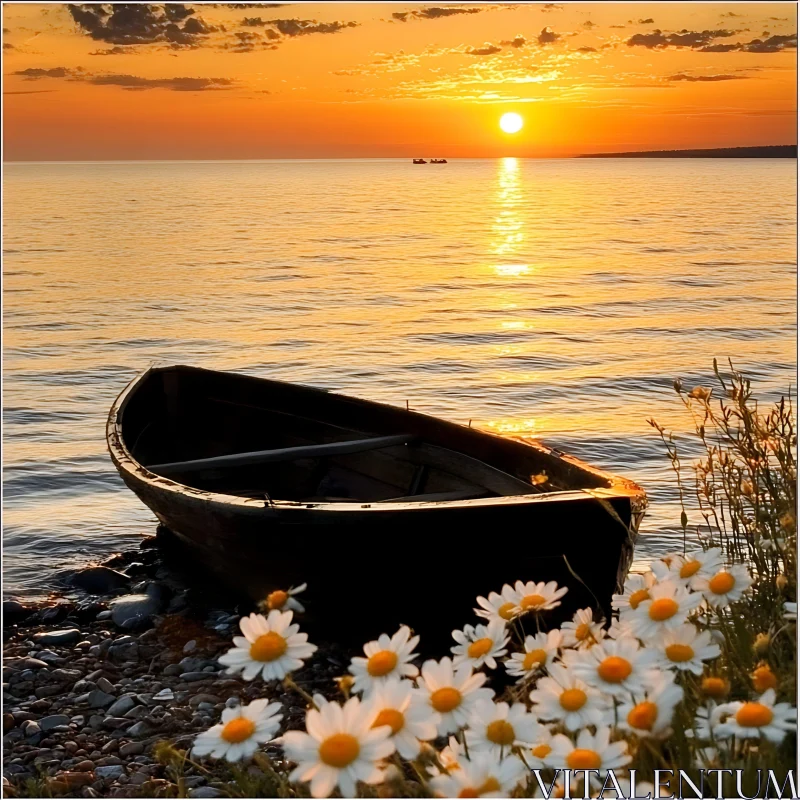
x=618, y=487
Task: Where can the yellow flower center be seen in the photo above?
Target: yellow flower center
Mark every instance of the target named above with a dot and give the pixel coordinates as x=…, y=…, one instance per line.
x=541, y=750
x=722, y=583
x=584, y=759
x=643, y=716
x=713, y=686
x=490, y=785
x=238, y=730
x=764, y=678
x=534, y=659
x=614, y=669
x=572, y=699
x=339, y=750
x=638, y=596
x=690, y=568
x=446, y=699
x=506, y=611
x=268, y=647
x=582, y=631
x=480, y=647
x=277, y=599
x=391, y=717
x=382, y=663
x=500, y=732
x=662, y=609
x=532, y=601
x=754, y=715
x=679, y=652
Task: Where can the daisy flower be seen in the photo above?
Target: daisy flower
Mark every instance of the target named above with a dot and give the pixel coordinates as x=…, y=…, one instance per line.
x=536, y=597
x=563, y=697
x=650, y=713
x=480, y=644
x=497, y=727
x=242, y=730
x=484, y=775
x=284, y=600
x=540, y=650
x=385, y=658
x=582, y=631
x=695, y=566
x=396, y=704
x=637, y=588
x=763, y=717
x=271, y=645
x=725, y=586
x=501, y=606
x=341, y=748
x=591, y=752
x=615, y=666
x=684, y=648
x=707, y=722
x=620, y=629
x=539, y=749
x=452, y=692
x=667, y=608
x=449, y=757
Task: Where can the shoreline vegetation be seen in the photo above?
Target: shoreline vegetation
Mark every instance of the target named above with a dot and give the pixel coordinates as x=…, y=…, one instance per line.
x=762, y=151
x=128, y=695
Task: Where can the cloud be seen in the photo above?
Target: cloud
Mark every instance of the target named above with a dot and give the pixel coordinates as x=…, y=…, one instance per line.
x=518, y=41
x=487, y=49
x=587, y=50
x=774, y=44
x=730, y=14
x=31, y=91
x=719, y=48
x=128, y=82
x=36, y=73
x=253, y=22
x=649, y=21
x=117, y=50
x=683, y=38
x=400, y=16
x=552, y=7
x=548, y=36
x=706, y=78
x=140, y=23
x=305, y=27
x=433, y=12
x=589, y=24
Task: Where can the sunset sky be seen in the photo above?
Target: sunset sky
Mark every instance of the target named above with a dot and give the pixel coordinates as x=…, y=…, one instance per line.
x=313, y=80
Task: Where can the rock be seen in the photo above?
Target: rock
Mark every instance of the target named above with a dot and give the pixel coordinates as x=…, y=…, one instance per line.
x=14, y=611
x=47, y=691
x=63, y=637
x=30, y=728
x=105, y=685
x=195, y=676
x=66, y=675
x=99, y=580
x=8, y=722
x=122, y=706
x=164, y=695
x=56, y=613
x=190, y=646
x=111, y=746
x=205, y=791
x=53, y=721
x=112, y=771
x=100, y=699
x=67, y=781
x=133, y=610
x=137, y=712
x=87, y=765
x=104, y=614
x=139, y=729
x=131, y=749
x=124, y=652
x=28, y=663
x=172, y=669
x=49, y=657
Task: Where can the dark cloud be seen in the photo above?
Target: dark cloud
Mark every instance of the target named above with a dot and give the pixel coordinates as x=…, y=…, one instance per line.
x=518, y=41
x=706, y=78
x=245, y=6
x=548, y=36
x=140, y=23
x=487, y=49
x=552, y=7
x=36, y=73
x=730, y=14
x=304, y=27
x=648, y=21
x=8, y=46
x=719, y=48
x=684, y=38
x=774, y=44
x=587, y=50
x=400, y=16
x=589, y=24
x=117, y=50
x=31, y=91
x=253, y=22
x=128, y=82
x=434, y=12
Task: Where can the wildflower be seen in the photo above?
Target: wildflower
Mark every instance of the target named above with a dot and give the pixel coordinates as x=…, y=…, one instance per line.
x=483, y=775
x=564, y=698
x=452, y=692
x=790, y=611
x=763, y=717
x=240, y=732
x=637, y=588
x=540, y=650
x=707, y=723
x=501, y=606
x=340, y=748
x=480, y=644
x=764, y=678
x=667, y=609
x=271, y=645
x=497, y=727
x=582, y=631
x=715, y=687
x=449, y=757
x=698, y=564
x=540, y=749
x=725, y=586
x=620, y=629
x=761, y=643
x=684, y=648
x=591, y=752
x=536, y=597
x=615, y=666
x=650, y=713
x=396, y=704
x=385, y=658
x=345, y=684
x=284, y=600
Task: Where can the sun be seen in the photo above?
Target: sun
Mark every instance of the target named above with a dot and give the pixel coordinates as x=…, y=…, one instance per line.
x=511, y=122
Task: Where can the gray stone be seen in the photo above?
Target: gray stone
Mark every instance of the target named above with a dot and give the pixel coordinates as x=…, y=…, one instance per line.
x=14, y=611
x=122, y=706
x=204, y=697
x=172, y=669
x=164, y=694
x=195, y=676
x=190, y=646
x=53, y=721
x=112, y=771
x=100, y=699
x=205, y=791
x=58, y=638
x=99, y=580
x=132, y=610
x=66, y=675
x=105, y=685
x=139, y=729
x=124, y=652
x=30, y=728
x=131, y=749
x=137, y=712
x=27, y=663
x=49, y=657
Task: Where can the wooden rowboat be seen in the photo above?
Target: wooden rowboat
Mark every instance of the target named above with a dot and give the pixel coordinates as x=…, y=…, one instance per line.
x=390, y=516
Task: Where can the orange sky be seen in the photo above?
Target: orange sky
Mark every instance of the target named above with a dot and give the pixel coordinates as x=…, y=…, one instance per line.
x=393, y=79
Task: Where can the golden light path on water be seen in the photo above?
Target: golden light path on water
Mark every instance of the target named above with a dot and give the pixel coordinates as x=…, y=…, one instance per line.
x=556, y=299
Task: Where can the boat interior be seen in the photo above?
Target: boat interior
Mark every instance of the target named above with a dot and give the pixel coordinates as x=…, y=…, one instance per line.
x=262, y=439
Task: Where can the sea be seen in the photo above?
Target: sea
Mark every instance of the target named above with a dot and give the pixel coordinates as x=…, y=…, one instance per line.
x=553, y=299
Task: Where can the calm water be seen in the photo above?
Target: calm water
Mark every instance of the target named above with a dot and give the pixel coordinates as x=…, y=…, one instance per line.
x=551, y=298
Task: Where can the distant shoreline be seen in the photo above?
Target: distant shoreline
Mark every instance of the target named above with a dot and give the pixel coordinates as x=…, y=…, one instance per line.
x=767, y=151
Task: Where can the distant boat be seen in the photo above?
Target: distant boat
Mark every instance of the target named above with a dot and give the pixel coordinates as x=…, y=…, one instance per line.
x=420, y=161
x=438, y=161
